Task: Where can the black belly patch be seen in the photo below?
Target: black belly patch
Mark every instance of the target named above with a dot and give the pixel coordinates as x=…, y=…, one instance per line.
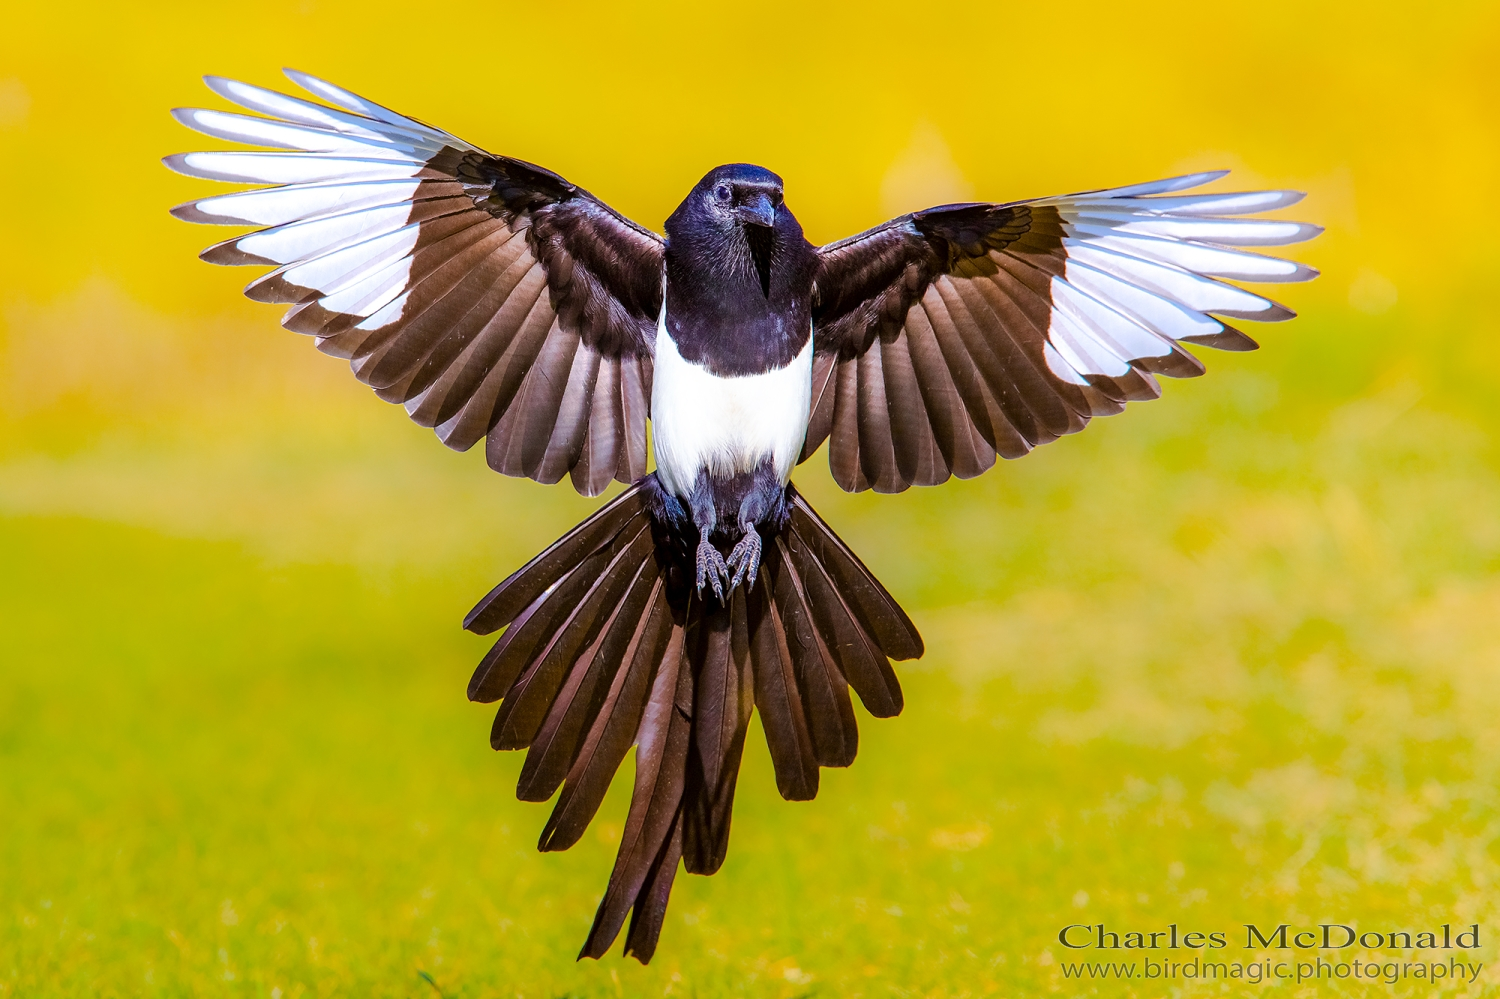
x=725, y=506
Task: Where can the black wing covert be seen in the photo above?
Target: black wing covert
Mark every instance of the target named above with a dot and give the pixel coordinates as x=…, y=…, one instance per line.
x=490, y=297
x=950, y=336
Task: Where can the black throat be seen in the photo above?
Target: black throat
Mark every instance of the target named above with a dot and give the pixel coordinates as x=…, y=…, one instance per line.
x=738, y=295
x=762, y=243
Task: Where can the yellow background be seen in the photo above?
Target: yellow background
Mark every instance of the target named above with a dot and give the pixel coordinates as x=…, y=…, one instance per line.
x=1230, y=656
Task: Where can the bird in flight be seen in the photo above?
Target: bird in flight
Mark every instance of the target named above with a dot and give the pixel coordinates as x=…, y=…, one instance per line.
x=496, y=301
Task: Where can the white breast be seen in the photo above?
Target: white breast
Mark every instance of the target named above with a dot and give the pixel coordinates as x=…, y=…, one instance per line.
x=725, y=424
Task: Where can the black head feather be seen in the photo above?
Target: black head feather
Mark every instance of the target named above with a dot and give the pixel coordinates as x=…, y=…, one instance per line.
x=739, y=273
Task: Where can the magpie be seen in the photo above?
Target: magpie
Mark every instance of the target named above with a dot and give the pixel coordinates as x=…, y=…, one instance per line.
x=496, y=301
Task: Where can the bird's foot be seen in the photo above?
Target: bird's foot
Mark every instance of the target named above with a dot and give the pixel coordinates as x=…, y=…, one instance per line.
x=744, y=558
x=713, y=571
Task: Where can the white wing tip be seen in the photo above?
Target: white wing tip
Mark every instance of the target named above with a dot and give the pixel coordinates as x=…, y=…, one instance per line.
x=302, y=79
x=178, y=163
x=225, y=87
x=1200, y=178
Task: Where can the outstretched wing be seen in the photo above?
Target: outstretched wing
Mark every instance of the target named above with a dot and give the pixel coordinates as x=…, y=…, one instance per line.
x=949, y=336
x=488, y=296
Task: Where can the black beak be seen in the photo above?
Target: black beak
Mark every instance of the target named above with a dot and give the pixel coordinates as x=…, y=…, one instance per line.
x=757, y=212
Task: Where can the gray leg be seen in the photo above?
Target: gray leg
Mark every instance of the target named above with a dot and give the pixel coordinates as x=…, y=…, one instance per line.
x=765, y=493
x=744, y=558
x=713, y=571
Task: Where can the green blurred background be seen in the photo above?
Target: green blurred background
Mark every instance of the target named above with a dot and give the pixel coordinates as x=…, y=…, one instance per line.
x=1230, y=657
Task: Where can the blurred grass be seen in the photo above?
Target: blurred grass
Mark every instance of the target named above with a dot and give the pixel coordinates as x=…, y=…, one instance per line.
x=1230, y=657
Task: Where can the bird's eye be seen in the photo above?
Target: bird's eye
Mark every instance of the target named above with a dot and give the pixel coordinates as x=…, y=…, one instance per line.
x=722, y=192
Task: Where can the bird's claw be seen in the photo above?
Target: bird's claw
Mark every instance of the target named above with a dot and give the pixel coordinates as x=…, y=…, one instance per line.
x=713, y=571
x=744, y=558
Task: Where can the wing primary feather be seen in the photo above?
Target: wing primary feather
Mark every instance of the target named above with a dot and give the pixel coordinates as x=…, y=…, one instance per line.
x=518, y=443
x=877, y=452
x=600, y=454
x=353, y=102
x=296, y=109
x=486, y=404
x=1227, y=338
x=964, y=450
x=1166, y=186
x=255, y=167
x=379, y=229
x=564, y=448
x=288, y=204
x=969, y=379
x=824, y=391
x=844, y=459
x=635, y=395
x=255, y=131
x=1035, y=316
x=919, y=458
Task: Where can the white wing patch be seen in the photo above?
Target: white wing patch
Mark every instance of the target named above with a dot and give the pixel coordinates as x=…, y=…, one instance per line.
x=1144, y=270
x=282, y=205
x=340, y=216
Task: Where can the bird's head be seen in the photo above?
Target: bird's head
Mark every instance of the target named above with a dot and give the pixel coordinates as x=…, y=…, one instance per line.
x=734, y=217
x=736, y=194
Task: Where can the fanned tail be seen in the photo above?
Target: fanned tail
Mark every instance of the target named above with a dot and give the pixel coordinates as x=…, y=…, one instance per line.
x=607, y=645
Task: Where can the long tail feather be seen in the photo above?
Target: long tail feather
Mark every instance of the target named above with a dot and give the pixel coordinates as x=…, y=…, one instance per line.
x=585, y=694
x=780, y=702
x=651, y=904
x=655, y=805
x=614, y=728
x=863, y=664
x=527, y=702
x=825, y=693
x=501, y=605
x=722, y=703
x=606, y=645
x=878, y=610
